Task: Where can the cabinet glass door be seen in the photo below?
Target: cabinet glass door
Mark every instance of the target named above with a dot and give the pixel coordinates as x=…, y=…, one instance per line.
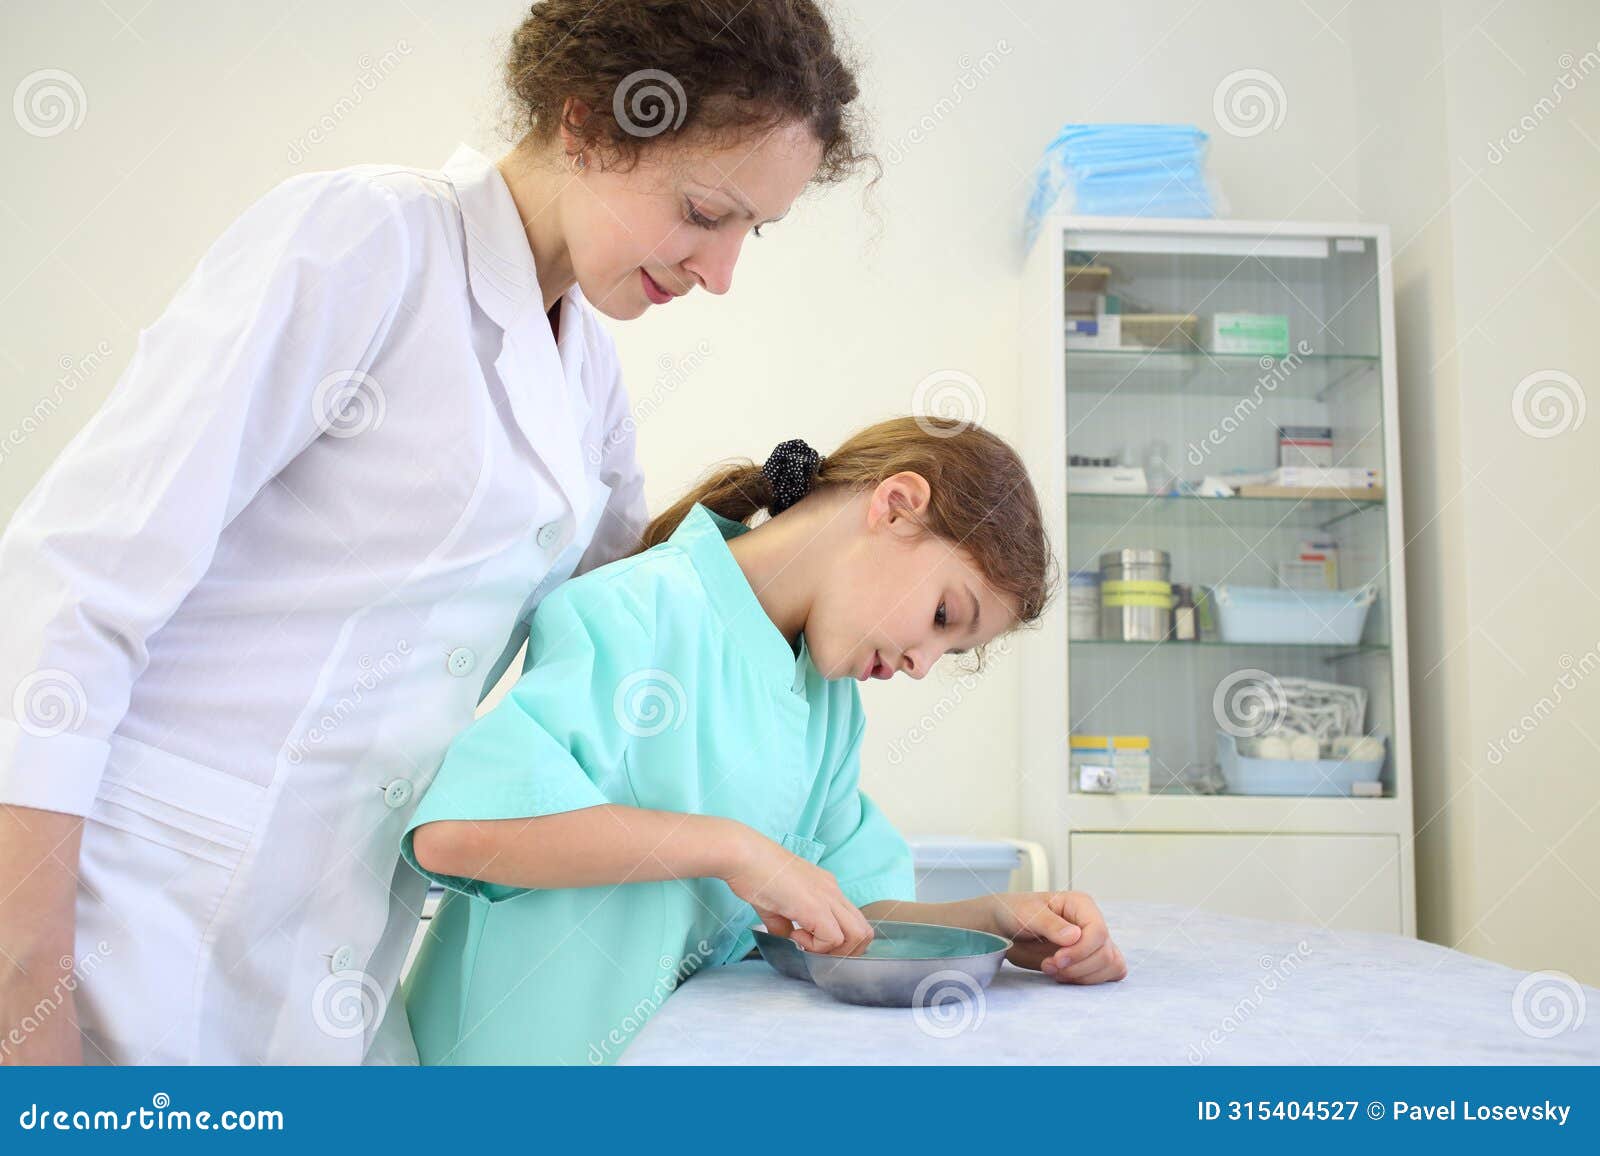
x=1227, y=408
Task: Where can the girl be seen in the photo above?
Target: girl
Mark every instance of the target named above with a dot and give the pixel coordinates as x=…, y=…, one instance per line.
x=688, y=724
x=271, y=579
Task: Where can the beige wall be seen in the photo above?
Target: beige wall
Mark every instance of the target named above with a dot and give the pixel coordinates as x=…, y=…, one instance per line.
x=1526, y=288
x=1497, y=275
x=195, y=109
x=1402, y=175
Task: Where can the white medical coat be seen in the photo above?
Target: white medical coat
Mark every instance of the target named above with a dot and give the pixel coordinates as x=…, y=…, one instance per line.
x=255, y=598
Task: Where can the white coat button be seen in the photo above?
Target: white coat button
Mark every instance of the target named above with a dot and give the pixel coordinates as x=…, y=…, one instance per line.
x=548, y=533
x=343, y=957
x=461, y=660
x=397, y=793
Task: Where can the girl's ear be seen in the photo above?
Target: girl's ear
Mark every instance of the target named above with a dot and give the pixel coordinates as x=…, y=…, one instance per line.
x=900, y=503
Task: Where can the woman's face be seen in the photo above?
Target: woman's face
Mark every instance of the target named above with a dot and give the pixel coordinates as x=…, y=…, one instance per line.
x=897, y=599
x=679, y=217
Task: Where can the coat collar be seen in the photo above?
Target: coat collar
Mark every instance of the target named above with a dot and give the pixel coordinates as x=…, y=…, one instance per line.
x=499, y=260
x=544, y=380
x=703, y=535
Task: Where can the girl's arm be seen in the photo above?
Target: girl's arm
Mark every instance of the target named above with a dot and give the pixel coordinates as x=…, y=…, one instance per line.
x=525, y=798
x=610, y=843
x=976, y=914
x=1061, y=933
x=583, y=848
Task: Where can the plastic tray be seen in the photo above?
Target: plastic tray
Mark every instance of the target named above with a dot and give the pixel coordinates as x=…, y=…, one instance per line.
x=1291, y=776
x=1273, y=615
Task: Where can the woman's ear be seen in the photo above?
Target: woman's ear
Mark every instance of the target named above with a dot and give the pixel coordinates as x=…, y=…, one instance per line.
x=900, y=503
x=574, y=114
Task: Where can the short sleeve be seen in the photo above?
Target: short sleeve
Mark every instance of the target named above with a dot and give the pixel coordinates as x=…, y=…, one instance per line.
x=865, y=853
x=552, y=744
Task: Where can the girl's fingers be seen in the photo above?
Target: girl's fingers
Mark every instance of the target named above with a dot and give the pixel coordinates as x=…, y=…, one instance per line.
x=832, y=939
x=1113, y=970
x=825, y=932
x=777, y=924
x=858, y=930
x=1084, y=972
x=807, y=937
x=1103, y=965
x=827, y=923
x=1049, y=926
x=1078, y=908
x=1079, y=971
x=1094, y=937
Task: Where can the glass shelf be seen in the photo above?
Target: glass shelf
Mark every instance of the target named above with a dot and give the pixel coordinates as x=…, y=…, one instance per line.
x=1333, y=649
x=1197, y=372
x=1181, y=791
x=1190, y=510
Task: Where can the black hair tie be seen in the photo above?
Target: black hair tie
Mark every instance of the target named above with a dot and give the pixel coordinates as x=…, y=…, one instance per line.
x=789, y=471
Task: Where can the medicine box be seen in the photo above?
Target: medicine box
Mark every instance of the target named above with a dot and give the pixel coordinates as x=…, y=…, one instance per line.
x=1254, y=333
x=1305, y=445
x=1317, y=477
x=1315, y=566
x=1094, y=321
x=1107, y=480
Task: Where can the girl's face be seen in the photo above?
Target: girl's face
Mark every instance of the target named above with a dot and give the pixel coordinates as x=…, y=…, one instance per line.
x=680, y=216
x=899, y=599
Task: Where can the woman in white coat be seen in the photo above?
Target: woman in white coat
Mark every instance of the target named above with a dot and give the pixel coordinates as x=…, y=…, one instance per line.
x=256, y=597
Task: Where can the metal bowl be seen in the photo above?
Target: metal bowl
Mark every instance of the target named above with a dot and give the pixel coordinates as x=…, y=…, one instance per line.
x=784, y=955
x=910, y=965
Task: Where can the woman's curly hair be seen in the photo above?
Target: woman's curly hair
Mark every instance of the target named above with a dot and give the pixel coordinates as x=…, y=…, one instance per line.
x=651, y=70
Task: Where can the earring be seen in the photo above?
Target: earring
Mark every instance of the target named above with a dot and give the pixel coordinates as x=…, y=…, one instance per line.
x=580, y=161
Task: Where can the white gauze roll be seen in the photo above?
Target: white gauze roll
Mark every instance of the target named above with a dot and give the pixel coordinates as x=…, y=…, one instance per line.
x=1304, y=748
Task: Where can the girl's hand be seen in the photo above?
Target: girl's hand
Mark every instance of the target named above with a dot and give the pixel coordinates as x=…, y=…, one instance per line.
x=1060, y=933
x=795, y=898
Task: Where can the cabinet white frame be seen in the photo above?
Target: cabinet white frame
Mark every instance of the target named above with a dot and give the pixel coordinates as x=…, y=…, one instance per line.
x=1050, y=813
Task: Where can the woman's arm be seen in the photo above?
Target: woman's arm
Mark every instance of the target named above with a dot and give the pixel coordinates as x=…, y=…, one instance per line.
x=38, y=890
x=583, y=848
x=221, y=394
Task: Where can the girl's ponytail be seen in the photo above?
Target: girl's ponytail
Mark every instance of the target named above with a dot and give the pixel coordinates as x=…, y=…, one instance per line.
x=737, y=490
x=981, y=499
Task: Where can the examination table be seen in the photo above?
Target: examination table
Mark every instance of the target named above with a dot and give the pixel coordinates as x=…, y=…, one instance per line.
x=1201, y=988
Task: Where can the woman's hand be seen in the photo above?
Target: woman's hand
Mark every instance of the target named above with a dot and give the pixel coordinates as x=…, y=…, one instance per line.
x=795, y=898
x=38, y=860
x=1060, y=933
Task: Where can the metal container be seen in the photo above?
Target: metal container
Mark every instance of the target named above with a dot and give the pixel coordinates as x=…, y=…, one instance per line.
x=912, y=965
x=784, y=955
x=1135, y=596
x=1136, y=623
x=1136, y=565
x=907, y=965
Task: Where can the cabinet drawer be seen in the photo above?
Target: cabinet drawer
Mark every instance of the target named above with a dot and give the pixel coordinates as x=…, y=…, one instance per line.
x=1340, y=881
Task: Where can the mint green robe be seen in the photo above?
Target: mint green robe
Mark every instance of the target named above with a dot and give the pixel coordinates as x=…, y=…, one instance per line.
x=657, y=682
